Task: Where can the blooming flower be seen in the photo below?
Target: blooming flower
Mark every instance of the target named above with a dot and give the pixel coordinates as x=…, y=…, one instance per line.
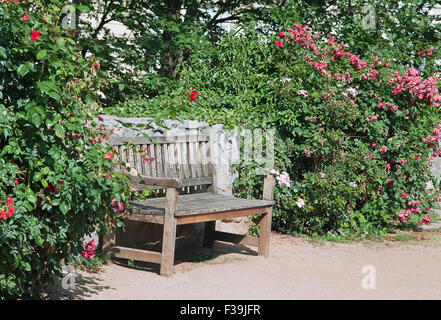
x=193, y=95
x=25, y=17
x=89, y=250
x=383, y=149
x=429, y=52
x=352, y=91
x=109, y=156
x=34, y=35
x=303, y=93
x=278, y=43
x=283, y=179
x=300, y=203
x=285, y=79
x=426, y=219
x=7, y=210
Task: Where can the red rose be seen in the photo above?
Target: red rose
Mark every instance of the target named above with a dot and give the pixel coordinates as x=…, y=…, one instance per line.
x=193, y=95
x=279, y=44
x=9, y=201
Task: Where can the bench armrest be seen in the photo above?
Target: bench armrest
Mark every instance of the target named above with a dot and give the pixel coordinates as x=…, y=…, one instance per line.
x=153, y=181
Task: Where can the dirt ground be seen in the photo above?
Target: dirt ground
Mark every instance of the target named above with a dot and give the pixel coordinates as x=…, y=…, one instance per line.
x=296, y=269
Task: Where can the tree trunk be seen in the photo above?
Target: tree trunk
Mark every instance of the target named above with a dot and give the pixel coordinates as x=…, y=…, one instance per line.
x=171, y=58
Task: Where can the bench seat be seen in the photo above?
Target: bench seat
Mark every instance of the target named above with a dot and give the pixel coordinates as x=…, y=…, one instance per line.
x=195, y=204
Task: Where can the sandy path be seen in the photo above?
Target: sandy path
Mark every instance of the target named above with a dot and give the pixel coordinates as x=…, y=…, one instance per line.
x=296, y=269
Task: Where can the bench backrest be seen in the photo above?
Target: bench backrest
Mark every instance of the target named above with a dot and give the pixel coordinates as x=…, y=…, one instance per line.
x=185, y=157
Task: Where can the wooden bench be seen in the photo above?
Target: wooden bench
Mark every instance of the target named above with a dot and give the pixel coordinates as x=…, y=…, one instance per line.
x=183, y=170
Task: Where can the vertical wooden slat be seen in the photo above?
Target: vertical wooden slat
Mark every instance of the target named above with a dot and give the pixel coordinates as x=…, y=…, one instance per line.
x=151, y=149
x=158, y=159
x=172, y=160
x=209, y=162
x=185, y=164
x=165, y=159
x=144, y=164
x=130, y=158
x=204, y=162
x=179, y=167
x=192, y=160
x=197, y=158
x=137, y=160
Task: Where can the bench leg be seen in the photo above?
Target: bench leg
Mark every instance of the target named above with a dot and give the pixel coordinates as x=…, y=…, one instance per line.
x=169, y=233
x=265, y=223
x=107, y=242
x=265, y=231
x=209, y=229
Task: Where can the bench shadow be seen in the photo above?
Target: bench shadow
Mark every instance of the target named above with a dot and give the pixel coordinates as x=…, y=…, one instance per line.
x=192, y=253
x=86, y=285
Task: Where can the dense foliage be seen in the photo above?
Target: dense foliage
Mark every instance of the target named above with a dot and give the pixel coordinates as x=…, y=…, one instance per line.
x=159, y=35
x=354, y=133
x=54, y=173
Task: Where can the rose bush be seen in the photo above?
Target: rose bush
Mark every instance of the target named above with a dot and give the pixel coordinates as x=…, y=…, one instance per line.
x=368, y=130
x=56, y=178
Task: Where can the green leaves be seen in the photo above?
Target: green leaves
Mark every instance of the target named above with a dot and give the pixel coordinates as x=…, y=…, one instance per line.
x=41, y=54
x=64, y=208
x=23, y=70
x=59, y=131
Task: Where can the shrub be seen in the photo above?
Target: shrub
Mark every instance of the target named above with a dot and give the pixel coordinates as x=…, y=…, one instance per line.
x=367, y=129
x=53, y=165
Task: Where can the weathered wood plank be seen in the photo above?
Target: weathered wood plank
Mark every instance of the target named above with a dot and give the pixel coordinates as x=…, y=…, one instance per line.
x=169, y=235
x=151, y=154
x=220, y=215
x=236, y=238
x=185, y=162
x=197, y=159
x=148, y=218
x=138, y=161
x=204, y=159
x=265, y=222
x=154, y=181
x=192, y=160
x=158, y=159
x=179, y=163
x=172, y=160
x=114, y=141
x=108, y=241
x=136, y=254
